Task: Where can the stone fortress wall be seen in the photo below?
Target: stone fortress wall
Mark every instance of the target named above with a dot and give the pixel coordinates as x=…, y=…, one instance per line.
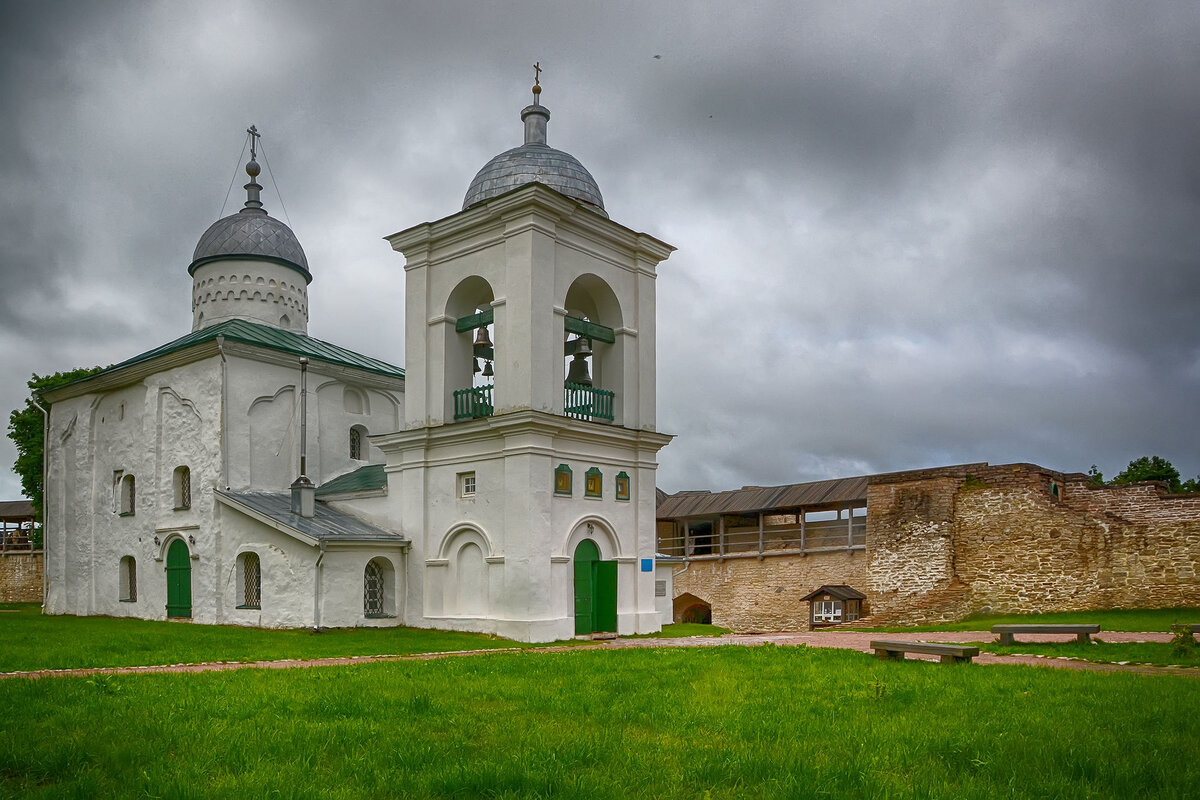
x=945, y=543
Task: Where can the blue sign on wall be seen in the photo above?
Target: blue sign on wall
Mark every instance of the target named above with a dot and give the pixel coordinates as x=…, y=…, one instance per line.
x=647, y=565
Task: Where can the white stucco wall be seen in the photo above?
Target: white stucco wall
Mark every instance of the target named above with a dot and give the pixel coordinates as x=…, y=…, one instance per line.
x=254, y=290
x=173, y=418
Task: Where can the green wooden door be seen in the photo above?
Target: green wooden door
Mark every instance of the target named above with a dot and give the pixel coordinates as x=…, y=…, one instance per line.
x=586, y=557
x=604, y=598
x=179, y=580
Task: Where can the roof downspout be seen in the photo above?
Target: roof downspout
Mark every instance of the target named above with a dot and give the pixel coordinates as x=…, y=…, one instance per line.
x=224, y=433
x=317, y=590
x=45, y=484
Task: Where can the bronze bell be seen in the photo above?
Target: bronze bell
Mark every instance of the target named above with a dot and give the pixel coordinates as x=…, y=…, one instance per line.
x=487, y=369
x=578, y=373
x=482, y=340
x=583, y=347
x=474, y=365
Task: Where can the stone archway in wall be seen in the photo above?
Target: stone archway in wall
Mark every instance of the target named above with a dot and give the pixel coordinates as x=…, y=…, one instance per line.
x=689, y=608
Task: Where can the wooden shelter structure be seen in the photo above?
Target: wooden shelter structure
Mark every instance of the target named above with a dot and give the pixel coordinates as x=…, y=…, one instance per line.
x=757, y=521
x=17, y=524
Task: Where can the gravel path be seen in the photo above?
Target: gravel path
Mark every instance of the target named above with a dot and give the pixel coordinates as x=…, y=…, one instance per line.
x=847, y=640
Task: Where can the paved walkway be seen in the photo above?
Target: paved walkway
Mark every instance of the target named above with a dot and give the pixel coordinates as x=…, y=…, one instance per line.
x=847, y=640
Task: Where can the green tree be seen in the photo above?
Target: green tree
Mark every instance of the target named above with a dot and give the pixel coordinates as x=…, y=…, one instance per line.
x=1152, y=468
x=25, y=429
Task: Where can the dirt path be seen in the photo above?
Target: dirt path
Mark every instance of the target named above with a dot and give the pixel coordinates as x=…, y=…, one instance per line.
x=847, y=640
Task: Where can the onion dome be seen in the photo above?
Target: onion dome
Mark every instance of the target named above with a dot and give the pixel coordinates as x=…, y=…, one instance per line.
x=251, y=234
x=535, y=161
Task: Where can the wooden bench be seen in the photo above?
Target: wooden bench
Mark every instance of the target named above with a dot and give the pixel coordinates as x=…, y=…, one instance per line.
x=950, y=653
x=1083, y=632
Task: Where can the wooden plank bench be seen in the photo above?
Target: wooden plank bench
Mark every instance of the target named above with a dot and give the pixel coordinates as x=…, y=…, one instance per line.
x=950, y=653
x=1083, y=632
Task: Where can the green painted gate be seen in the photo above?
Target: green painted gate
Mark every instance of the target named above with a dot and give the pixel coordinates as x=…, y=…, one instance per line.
x=595, y=590
x=179, y=580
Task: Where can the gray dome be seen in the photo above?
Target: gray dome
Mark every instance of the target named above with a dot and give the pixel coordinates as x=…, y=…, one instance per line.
x=560, y=171
x=535, y=161
x=251, y=233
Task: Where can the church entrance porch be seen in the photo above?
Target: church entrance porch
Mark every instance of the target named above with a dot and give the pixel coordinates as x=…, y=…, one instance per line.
x=179, y=580
x=595, y=591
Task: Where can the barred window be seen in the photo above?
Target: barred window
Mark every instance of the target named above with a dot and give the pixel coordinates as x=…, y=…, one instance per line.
x=373, y=590
x=379, y=580
x=249, y=581
x=182, y=481
x=357, y=434
x=127, y=579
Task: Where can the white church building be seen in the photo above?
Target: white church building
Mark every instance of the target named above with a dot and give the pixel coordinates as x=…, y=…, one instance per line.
x=503, y=481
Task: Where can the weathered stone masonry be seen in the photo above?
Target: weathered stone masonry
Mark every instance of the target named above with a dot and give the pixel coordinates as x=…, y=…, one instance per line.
x=942, y=544
x=945, y=543
x=21, y=577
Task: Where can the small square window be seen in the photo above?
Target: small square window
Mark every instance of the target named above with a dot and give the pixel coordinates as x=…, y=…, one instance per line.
x=466, y=484
x=562, y=479
x=622, y=486
x=593, y=483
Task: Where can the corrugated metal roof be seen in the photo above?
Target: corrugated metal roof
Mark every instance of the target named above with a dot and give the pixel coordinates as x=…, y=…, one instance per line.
x=371, y=476
x=253, y=333
x=326, y=524
x=763, y=498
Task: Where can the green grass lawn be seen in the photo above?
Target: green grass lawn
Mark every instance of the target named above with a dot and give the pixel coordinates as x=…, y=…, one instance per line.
x=722, y=722
x=1160, y=653
x=29, y=640
x=1138, y=619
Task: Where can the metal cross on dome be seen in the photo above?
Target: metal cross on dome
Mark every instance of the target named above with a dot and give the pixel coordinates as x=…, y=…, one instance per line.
x=254, y=135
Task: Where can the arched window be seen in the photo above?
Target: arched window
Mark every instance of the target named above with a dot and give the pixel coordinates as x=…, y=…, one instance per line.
x=182, y=484
x=358, y=443
x=378, y=597
x=127, y=496
x=249, y=581
x=127, y=580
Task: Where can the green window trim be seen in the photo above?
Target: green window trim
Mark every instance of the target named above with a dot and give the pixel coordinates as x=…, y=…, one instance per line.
x=593, y=483
x=622, y=485
x=563, y=480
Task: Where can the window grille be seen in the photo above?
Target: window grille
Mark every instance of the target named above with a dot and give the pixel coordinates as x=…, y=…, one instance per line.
x=183, y=488
x=251, y=581
x=373, y=590
x=356, y=443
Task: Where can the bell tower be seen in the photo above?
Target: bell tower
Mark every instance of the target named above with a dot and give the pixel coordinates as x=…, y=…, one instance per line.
x=530, y=447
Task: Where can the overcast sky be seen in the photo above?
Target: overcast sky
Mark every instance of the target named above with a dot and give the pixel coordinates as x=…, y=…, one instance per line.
x=910, y=234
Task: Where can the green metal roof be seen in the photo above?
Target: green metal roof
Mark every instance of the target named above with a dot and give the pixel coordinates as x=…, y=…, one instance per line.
x=369, y=477
x=259, y=335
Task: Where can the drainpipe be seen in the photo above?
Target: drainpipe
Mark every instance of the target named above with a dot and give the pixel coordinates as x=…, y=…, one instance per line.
x=317, y=590
x=45, y=516
x=224, y=433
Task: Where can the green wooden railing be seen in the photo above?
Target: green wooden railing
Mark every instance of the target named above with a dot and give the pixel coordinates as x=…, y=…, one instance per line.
x=587, y=402
x=473, y=403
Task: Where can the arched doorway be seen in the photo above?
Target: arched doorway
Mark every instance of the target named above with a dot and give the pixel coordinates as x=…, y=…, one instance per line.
x=595, y=590
x=179, y=580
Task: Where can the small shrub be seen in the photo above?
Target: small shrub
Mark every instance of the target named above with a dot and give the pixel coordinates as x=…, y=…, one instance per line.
x=973, y=484
x=1183, y=641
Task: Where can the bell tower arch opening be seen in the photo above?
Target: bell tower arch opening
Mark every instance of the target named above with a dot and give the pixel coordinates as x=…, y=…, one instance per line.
x=470, y=355
x=594, y=358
